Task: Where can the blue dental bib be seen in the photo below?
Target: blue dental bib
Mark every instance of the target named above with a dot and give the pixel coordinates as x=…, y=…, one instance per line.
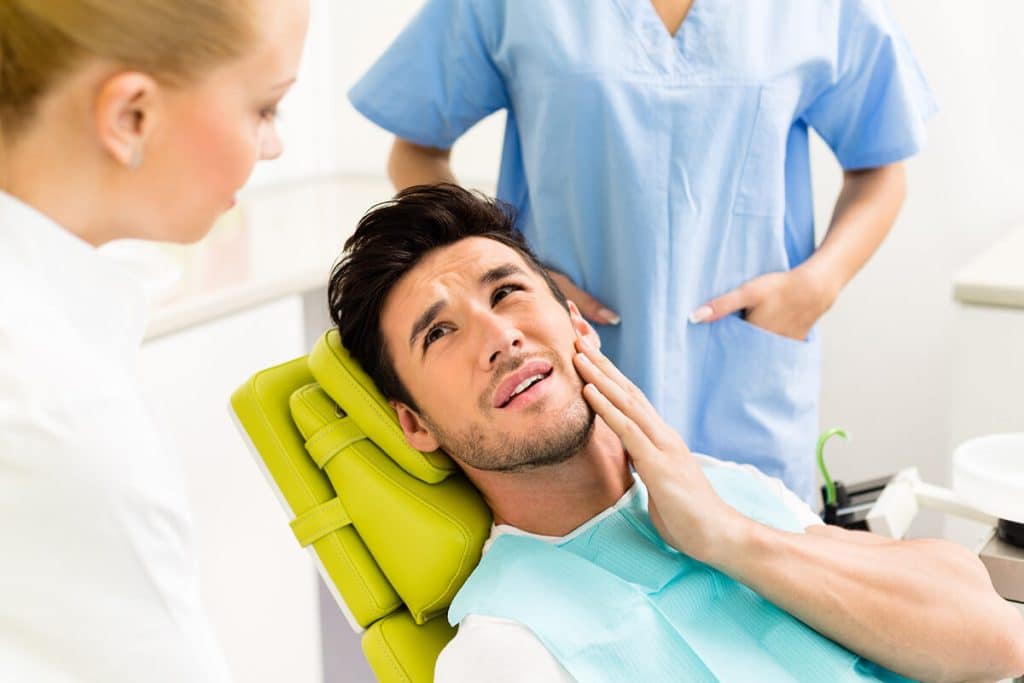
x=613, y=602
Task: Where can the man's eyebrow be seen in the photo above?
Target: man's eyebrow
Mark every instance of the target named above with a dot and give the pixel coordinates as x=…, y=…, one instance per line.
x=500, y=273
x=424, y=320
x=493, y=275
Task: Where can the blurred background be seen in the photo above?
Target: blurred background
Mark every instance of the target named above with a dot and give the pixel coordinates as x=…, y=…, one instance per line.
x=907, y=370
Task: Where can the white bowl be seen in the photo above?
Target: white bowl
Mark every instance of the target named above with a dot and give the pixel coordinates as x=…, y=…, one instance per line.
x=988, y=473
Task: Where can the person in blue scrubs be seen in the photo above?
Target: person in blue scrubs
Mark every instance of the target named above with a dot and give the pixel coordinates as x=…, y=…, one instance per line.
x=657, y=154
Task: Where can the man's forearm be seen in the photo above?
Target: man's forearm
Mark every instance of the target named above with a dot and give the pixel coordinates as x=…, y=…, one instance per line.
x=924, y=608
x=412, y=164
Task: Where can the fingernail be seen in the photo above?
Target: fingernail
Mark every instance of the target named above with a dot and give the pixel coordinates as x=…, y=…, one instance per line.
x=609, y=316
x=701, y=314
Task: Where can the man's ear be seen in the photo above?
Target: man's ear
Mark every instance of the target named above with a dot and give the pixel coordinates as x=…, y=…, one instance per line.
x=582, y=327
x=417, y=433
x=125, y=112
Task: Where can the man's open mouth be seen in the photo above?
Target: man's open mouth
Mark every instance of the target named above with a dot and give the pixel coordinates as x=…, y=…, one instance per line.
x=522, y=382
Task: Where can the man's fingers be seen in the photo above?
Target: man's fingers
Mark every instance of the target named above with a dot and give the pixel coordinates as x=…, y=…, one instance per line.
x=621, y=393
x=591, y=308
x=595, y=356
x=633, y=439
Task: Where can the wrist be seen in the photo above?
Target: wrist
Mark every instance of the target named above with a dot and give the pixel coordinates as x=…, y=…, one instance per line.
x=737, y=537
x=822, y=279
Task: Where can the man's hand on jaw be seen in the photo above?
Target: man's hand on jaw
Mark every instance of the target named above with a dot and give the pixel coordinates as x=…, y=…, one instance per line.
x=923, y=608
x=685, y=509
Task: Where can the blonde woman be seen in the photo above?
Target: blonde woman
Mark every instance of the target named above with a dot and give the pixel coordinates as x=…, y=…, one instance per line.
x=117, y=119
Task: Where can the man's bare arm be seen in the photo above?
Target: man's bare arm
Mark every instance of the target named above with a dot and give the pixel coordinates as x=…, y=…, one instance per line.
x=923, y=608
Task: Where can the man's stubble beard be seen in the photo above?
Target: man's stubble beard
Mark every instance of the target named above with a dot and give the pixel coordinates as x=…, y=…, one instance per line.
x=498, y=453
x=543, y=447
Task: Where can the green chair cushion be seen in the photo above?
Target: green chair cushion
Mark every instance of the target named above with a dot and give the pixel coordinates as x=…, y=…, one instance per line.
x=400, y=650
x=262, y=407
x=426, y=538
x=342, y=378
x=394, y=532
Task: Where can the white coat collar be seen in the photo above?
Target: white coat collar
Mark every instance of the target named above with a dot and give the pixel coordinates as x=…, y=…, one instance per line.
x=46, y=262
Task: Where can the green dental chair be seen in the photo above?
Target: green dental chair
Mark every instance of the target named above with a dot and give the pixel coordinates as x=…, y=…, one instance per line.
x=394, y=532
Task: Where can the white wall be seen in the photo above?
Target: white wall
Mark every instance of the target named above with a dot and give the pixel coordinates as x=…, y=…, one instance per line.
x=889, y=341
x=321, y=131
x=259, y=589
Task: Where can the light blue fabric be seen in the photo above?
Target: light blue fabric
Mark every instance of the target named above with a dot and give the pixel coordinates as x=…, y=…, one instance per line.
x=659, y=172
x=613, y=602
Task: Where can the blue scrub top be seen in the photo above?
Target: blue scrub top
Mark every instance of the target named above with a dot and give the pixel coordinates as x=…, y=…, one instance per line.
x=659, y=172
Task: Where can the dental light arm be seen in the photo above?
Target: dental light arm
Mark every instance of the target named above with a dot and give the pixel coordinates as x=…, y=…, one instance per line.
x=906, y=494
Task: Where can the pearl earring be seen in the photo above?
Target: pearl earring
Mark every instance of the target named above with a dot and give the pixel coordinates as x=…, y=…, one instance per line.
x=136, y=159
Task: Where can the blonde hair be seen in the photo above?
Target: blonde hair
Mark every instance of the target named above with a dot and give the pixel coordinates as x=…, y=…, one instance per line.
x=174, y=41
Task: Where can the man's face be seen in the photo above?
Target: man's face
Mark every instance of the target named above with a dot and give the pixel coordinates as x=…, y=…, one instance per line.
x=485, y=350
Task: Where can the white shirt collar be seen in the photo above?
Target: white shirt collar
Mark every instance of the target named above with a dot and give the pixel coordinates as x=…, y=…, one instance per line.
x=43, y=260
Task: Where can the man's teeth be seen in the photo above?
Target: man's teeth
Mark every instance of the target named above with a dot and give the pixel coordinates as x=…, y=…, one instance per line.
x=524, y=385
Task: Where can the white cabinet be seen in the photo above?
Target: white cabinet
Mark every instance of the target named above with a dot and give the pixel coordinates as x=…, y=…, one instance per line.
x=258, y=587
x=988, y=359
x=988, y=355
x=988, y=371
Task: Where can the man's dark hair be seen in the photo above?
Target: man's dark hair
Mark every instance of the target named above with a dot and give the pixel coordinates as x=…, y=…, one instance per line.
x=388, y=242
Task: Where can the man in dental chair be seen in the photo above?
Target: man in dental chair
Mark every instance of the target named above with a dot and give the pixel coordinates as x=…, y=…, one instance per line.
x=689, y=568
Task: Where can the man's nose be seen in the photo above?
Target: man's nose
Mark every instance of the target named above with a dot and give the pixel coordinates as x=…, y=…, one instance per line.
x=502, y=338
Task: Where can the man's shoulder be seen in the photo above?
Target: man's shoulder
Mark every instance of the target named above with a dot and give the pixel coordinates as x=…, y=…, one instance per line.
x=498, y=650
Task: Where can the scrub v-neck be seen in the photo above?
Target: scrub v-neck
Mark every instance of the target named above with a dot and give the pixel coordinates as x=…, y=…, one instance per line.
x=674, y=55
x=669, y=29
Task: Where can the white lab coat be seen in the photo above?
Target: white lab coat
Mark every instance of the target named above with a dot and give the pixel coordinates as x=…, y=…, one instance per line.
x=98, y=578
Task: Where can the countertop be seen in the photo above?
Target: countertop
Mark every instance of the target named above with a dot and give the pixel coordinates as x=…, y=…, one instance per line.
x=996, y=276
x=276, y=242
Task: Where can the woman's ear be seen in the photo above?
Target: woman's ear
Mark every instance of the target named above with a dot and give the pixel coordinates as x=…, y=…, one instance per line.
x=125, y=112
x=582, y=327
x=417, y=433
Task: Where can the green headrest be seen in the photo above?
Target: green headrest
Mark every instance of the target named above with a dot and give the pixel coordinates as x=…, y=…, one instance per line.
x=426, y=538
x=346, y=382
x=395, y=532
